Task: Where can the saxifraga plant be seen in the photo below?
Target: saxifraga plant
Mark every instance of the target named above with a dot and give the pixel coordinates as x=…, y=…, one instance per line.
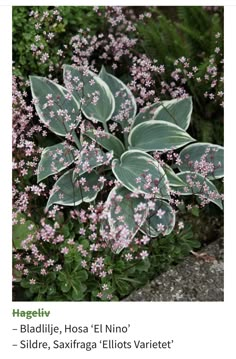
x=132, y=152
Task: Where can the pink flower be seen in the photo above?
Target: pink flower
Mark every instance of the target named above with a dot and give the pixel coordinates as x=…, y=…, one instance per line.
x=65, y=250
x=143, y=254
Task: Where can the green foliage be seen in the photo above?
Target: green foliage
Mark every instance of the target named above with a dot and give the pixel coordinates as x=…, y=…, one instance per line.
x=133, y=164
x=136, y=171
x=49, y=100
x=121, y=94
x=47, y=167
x=172, y=177
x=183, y=34
x=24, y=32
x=87, y=153
x=210, y=155
x=172, y=249
x=72, y=283
x=126, y=205
x=23, y=230
x=177, y=112
x=200, y=186
x=99, y=103
x=109, y=142
x=151, y=224
x=158, y=135
x=69, y=193
x=194, y=20
x=189, y=31
x=22, y=41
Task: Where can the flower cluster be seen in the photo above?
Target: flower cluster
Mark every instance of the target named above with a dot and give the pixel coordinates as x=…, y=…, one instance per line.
x=211, y=78
x=116, y=47
x=26, y=153
x=46, y=24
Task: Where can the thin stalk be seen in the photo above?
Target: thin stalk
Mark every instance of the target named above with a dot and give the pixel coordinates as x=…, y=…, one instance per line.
x=105, y=127
x=126, y=135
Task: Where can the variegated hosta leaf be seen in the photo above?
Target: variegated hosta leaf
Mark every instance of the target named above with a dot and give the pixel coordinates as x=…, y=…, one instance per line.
x=109, y=236
x=205, y=158
x=69, y=193
x=107, y=141
x=176, y=111
x=174, y=180
x=201, y=187
x=158, y=136
x=85, y=126
x=126, y=214
x=89, y=159
x=160, y=220
x=97, y=101
x=85, y=140
x=125, y=104
x=56, y=107
x=140, y=173
x=55, y=158
x=145, y=114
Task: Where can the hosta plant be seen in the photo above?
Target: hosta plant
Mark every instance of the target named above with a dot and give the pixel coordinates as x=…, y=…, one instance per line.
x=132, y=160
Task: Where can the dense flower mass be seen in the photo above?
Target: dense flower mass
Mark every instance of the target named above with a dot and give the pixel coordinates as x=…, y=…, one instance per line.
x=104, y=170
x=118, y=48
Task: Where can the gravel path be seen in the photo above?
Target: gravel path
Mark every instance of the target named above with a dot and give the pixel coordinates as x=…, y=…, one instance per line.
x=199, y=277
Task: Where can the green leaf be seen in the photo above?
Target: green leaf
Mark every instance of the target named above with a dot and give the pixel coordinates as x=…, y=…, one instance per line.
x=99, y=102
x=122, y=286
x=62, y=277
x=22, y=230
x=78, y=294
x=200, y=186
x=125, y=104
x=25, y=283
x=52, y=290
x=174, y=180
x=66, y=231
x=126, y=214
x=65, y=283
x=107, y=141
x=17, y=275
x=69, y=193
x=158, y=136
x=65, y=287
x=61, y=113
x=145, y=114
x=79, y=288
x=85, y=243
x=89, y=159
x=143, y=266
x=195, y=211
x=80, y=276
x=176, y=111
x=160, y=220
x=140, y=173
x=203, y=157
x=55, y=158
x=37, y=289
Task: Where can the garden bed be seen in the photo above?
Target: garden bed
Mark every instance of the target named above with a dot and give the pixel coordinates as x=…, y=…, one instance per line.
x=117, y=151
